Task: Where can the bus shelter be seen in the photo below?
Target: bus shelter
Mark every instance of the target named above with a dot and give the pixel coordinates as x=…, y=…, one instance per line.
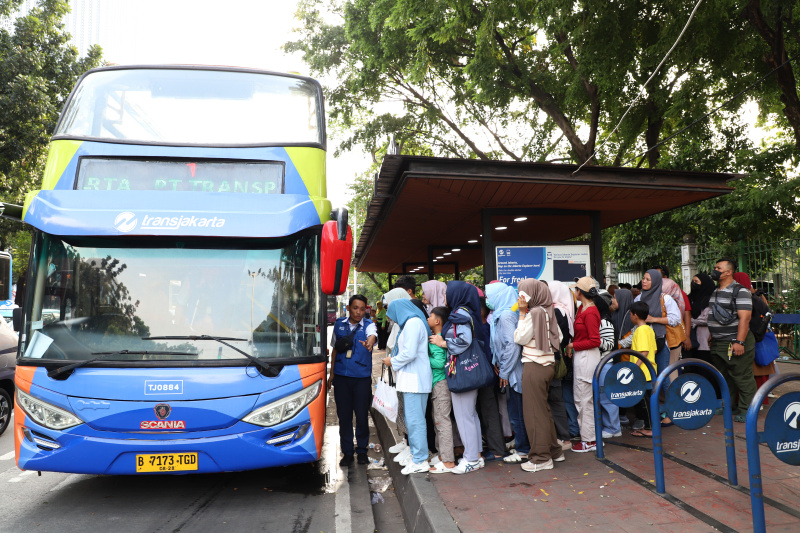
x=432, y=215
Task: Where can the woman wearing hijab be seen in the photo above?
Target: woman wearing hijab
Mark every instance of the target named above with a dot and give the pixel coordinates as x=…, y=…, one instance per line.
x=537, y=333
x=409, y=360
x=654, y=297
x=502, y=323
x=562, y=399
x=401, y=448
x=622, y=317
x=670, y=288
x=700, y=293
x=433, y=294
x=459, y=332
x=382, y=323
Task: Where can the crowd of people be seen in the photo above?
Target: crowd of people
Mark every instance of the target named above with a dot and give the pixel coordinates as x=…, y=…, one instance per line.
x=505, y=373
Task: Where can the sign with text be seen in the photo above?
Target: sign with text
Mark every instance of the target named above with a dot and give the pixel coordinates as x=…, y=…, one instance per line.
x=246, y=177
x=782, y=428
x=691, y=401
x=559, y=262
x=625, y=384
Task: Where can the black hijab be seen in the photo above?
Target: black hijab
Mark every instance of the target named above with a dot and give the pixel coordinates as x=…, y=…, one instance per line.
x=700, y=294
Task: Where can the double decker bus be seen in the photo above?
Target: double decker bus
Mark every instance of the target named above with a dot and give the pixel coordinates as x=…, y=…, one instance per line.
x=183, y=245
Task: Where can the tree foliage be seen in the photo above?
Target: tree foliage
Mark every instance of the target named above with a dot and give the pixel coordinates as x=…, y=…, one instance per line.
x=38, y=68
x=549, y=80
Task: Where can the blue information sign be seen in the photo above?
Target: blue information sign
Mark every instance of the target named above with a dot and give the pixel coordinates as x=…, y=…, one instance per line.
x=625, y=384
x=691, y=401
x=782, y=428
x=562, y=262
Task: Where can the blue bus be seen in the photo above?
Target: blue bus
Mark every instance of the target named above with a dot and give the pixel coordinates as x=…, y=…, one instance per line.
x=183, y=245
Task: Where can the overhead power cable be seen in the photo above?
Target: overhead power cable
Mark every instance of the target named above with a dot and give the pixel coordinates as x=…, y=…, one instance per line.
x=708, y=114
x=641, y=90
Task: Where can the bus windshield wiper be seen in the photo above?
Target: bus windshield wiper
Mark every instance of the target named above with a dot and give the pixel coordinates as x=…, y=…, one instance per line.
x=264, y=367
x=105, y=355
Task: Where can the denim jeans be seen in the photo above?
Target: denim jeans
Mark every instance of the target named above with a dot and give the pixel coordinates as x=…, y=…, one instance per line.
x=414, y=404
x=523, y=447
x=610, y=412
x=662, y=362
x=569, y=403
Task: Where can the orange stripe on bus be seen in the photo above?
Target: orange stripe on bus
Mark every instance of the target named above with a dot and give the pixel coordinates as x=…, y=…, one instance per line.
x=316, y=410
x=23, y=377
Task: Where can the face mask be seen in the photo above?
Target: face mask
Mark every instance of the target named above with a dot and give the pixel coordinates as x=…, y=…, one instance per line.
x=715, y=275
x=490, y=306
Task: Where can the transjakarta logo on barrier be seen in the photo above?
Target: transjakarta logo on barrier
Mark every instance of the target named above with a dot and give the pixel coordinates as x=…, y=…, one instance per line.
x=624, y=376
x=790, y=416
x=127, y=222
x=690, y=392
x=680, y=415
x=626, y=394
x=161, y=387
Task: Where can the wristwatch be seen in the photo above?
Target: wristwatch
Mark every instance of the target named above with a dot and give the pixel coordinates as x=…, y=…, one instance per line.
x=737, y=341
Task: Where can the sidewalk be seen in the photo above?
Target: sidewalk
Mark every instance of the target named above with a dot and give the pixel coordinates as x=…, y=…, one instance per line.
x=619, y=494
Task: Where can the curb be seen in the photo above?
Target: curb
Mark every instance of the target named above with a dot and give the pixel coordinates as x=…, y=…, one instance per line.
x=423, y=508
x=362, y=520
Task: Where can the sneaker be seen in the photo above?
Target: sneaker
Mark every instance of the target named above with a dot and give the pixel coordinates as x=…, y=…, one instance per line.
x=611, y=435
x=405, y=454
x=565, y=444
x=399, y=447
x=583, y=446
x=414, y=468
x=406, y=460
x=347, y=460
x=531, y=467
x=439, y=468
x=435, y=460
x=639, y=424
x=513, y=459
x=561, y=458
x=740, y=419
x=481, y=462
x=623, y=420
x=574, y=437
x=363, y=459
x=465, y=467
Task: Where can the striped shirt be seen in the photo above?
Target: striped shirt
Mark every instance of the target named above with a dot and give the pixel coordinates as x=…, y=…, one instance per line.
x=723, y=298
x=608, y=340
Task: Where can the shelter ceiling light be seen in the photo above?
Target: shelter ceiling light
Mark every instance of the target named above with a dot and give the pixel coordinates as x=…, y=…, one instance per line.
x=456, y=249
x=439, y=257
x=520, y=219
x=447, y=253
x=501, y=227
x=473, y=241
x=435, y=260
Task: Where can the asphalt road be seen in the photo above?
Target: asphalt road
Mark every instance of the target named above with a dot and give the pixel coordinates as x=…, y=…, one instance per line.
x=293, y=499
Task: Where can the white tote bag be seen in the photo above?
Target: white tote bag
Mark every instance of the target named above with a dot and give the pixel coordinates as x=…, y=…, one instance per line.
x=385, y=399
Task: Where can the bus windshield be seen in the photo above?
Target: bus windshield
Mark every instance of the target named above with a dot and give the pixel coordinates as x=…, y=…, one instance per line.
x=194, y=106
x=94, y=296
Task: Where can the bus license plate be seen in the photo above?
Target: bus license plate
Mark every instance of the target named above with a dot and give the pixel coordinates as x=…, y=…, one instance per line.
x=166, y=462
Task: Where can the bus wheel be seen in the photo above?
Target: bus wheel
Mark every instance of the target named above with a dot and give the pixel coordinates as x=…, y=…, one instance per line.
x=5, y=410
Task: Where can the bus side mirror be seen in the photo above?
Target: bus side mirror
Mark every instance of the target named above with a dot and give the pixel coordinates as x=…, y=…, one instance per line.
x=335, y=253
x=16, y=318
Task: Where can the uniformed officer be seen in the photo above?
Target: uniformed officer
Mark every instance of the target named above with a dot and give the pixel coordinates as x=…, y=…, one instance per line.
x=351, y=376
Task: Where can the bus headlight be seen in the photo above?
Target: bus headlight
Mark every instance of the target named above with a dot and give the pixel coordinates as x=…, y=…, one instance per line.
x=45, y=414
x=285, y=408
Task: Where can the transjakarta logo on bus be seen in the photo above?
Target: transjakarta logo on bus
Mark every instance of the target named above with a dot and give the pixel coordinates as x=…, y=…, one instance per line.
x=127, y=222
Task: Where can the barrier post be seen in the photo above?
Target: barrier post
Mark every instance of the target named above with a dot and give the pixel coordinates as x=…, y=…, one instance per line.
x=655, y=419
x=790, y=417
x=598, y=415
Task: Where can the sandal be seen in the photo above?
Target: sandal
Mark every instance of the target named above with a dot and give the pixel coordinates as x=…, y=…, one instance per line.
x=439, y=468
x=640, y=435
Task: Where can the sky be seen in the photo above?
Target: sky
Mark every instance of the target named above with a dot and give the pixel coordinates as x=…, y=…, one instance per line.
x=244, y=33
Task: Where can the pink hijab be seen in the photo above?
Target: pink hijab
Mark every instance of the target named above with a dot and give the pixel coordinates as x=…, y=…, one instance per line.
x=434, y=290
x=743, y=279
x=562, y=300
x=671, y=288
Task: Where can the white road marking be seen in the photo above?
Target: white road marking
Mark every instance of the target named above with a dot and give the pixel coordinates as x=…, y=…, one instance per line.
x=6, y=457
x=66, y=481
x=21, y=476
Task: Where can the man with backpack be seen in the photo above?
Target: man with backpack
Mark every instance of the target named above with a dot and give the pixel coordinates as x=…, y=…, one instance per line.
x=732, y=342
x=351, y=375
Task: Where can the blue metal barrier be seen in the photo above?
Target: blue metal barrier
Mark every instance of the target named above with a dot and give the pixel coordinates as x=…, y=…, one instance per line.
x=687, y=389
x=781, y=433
x=628, y=377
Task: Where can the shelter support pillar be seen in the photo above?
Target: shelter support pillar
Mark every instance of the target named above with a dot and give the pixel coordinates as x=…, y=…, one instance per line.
x=489, y=259
x=597, y=249
x=611, y=273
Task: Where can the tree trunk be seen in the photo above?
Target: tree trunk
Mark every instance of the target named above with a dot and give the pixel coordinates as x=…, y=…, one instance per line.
x=784, y=76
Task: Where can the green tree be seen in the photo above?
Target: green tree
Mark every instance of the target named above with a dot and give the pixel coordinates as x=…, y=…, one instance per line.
x=38, y=68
